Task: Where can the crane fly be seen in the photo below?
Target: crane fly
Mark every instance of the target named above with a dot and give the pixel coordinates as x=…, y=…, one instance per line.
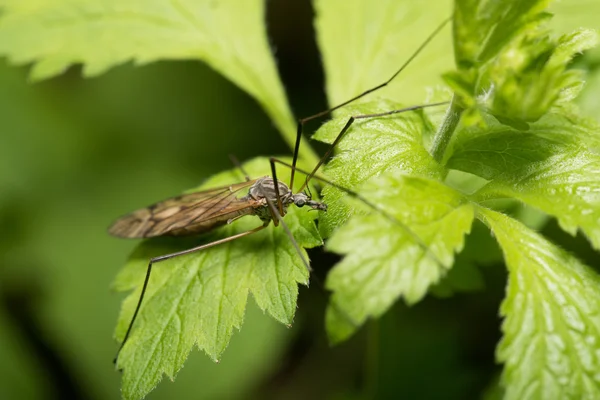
x=200, y=212
x=265, y=197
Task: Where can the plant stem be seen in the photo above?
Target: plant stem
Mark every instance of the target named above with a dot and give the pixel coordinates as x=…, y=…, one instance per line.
x=446, y=130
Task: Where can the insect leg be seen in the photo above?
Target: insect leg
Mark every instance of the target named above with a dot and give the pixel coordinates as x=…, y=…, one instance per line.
x=351, y=120
x=375, y=207
x=172, y=255
x=279, y=203
x=278, y=216
x=302, y=121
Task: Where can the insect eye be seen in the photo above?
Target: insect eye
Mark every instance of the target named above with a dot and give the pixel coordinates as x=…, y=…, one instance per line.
x=300, y=203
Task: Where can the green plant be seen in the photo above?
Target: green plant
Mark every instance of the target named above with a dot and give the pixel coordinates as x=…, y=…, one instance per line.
x=512, y=123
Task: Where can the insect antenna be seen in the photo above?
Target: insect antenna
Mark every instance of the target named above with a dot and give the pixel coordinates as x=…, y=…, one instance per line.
x=302, y=121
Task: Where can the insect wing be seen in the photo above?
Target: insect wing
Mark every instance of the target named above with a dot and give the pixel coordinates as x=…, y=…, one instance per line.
x=186, y=214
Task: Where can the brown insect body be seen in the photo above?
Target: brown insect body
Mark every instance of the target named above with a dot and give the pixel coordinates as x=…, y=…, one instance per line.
x=199, y=212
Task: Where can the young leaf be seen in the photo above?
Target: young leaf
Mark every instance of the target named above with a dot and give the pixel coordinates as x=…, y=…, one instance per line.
x=547, y=167
x=551, y=327
x=363, y=43
x=400, y=253
x=229, y=35
x=517, y=16
x=394, y=142
x=482, y=28
x=530, y=74
x=201, y=297
x=517, y=71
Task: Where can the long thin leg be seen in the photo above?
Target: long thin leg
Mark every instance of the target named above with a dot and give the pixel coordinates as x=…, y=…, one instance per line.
x=374, y=206
x=279, y=203
x=275, y=215
x=302, y=121
x=349, y=124
x=172, y=255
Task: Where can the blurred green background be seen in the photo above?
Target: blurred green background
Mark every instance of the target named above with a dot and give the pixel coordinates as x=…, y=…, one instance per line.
x=75, y=154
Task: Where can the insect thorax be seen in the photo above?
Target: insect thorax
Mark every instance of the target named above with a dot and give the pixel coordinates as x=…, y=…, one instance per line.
x=264, y=188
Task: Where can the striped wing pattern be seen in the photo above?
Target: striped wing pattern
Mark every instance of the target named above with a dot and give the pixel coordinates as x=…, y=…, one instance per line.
x=186, y=214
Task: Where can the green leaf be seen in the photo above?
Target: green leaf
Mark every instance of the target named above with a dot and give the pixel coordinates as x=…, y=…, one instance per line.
x=482, y=28
x=517, y=16
x=551, y=327
x=517, y=71
x=589, y=100
x=565, y=185
x=473, y=20
x=547, y=167
x=480, y=250
x=401, y=253
x=497, y=151
x=530, y=75
x=493, y=149
x=229, y=35
x=394, y=142
x=362, y=45
x=201, y=297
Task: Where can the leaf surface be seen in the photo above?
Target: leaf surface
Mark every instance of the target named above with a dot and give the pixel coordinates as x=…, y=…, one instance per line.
x=362, y=44
x=370, y=147
x=400, y=249
x=552, y=326
x=228, y=35
x=198, y=299
x=548, y=167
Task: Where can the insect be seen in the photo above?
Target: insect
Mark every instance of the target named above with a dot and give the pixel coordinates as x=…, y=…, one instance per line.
x=266, y=197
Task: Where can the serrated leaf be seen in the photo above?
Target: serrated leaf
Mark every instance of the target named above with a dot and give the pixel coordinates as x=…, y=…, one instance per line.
x=497, y=151
x=399, y=254
x=201, y=297
x=566, y=185
x=513, y=68
x=480, y=250
x=229, y=35
x=517, y=16
x=531, y=74
x=363, y=43
x=493, y=149
x=551, y=327
x=482, y=28
x=370, y=147
x=473, y=21
x=547, y=167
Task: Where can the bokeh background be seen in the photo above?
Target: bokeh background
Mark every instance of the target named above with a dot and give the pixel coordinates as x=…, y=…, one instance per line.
x=75, y=153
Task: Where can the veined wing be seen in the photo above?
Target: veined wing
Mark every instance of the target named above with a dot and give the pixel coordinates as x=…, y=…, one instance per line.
x=186, y=214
